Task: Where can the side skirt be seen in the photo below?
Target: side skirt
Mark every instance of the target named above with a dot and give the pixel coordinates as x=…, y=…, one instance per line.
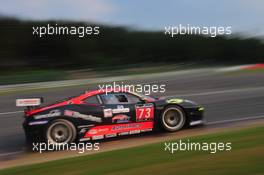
x=109, y=131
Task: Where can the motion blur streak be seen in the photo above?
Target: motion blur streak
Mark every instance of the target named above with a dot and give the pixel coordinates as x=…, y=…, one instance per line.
x=226, y=97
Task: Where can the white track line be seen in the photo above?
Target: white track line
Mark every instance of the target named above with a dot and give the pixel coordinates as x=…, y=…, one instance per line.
x=219, y=92
x=11, y=153
x=234, y=120
x=12, y=112
x=234, y=68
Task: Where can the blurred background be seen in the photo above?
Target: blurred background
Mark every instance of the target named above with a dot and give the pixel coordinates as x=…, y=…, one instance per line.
x=131, y=36
x=133, y=48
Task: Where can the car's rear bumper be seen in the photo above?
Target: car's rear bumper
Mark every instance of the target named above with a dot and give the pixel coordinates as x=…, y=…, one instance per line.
x=34, y=132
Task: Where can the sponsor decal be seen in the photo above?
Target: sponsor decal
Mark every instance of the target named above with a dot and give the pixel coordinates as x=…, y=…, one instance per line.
x=53, y=113
x=146, y=130
x=84, y=139
x=98, y=131
x=82, y=116
x=93, y=131
x=123, y=133
x=175, y=100
x=68, y=113
x=97, y=137
x=119, y=129
x=121, y=118
x=145, y=112
x=85, y=126
x=126, y=126
x=110, y=135
x=120, y=109
x=134, y=132
x=37, y=123
x=83, y=130
x=103, y=129
x=28, y=102
x=108, y=113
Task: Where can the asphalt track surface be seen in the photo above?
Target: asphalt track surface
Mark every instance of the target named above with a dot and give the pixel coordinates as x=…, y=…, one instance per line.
x=227, y=97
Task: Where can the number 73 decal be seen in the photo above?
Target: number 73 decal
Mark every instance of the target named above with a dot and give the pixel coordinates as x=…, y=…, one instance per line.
x=144, y=112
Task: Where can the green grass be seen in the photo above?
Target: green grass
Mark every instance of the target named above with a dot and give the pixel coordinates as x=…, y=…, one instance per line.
x=246, y=157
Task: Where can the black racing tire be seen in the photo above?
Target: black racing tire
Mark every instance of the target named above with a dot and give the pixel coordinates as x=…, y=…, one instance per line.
x=173, y=118
x=60, y=131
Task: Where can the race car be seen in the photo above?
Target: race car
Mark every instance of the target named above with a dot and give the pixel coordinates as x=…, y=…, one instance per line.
x=97, y=115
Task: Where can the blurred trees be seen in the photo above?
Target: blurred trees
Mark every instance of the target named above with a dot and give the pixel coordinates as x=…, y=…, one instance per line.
x=116, y=46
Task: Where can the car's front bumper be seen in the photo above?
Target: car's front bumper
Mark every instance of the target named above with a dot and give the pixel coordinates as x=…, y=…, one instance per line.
x=195, y=116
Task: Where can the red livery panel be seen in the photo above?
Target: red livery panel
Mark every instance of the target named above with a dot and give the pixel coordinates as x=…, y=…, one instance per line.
x=120, y=129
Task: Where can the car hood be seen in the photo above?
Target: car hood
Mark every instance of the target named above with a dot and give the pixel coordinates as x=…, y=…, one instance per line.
x=180, y=101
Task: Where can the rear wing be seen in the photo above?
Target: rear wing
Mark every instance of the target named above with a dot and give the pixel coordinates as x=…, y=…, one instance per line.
x=29, y=102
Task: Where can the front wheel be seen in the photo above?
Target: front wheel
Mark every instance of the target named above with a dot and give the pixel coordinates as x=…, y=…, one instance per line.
x=173, y=118
x=61, y=132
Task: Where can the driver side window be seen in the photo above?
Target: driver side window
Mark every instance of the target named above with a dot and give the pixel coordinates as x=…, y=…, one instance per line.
x=114, y=98
x=119, y=98
x=132, y=98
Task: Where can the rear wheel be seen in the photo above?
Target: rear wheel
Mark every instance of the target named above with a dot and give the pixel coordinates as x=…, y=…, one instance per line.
x=173, y=118
x=61, y=132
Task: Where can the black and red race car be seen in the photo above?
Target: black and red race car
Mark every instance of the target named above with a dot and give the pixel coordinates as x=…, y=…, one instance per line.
x=97, y=115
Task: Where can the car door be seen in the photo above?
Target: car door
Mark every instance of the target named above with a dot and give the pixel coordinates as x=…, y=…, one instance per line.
x=118, y=108
x=125, y=107
x=91, y=109
x=144, y=111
